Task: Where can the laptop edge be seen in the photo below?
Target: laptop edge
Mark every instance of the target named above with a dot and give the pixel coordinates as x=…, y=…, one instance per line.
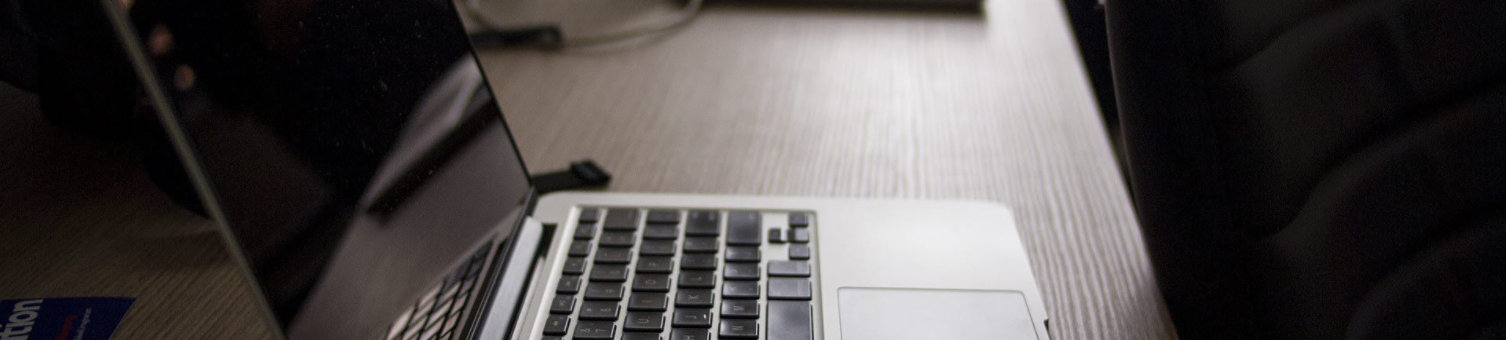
x=499, y=285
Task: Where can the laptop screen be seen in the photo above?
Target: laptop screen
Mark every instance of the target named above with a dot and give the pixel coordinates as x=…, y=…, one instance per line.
x=353, y=146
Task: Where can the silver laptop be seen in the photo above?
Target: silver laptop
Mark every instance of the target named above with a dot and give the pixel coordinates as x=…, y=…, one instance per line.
x=362, y=172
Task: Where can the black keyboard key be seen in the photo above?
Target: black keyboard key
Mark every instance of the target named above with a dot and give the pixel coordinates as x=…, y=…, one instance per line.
x=588, y=215
x=740, y=290
x=690, y=334
x=740, y=309
x=644, y=321
x=427, y=301
x=640, y=336
x=655, y=264
x=661, y=232
x=595, y=330
x=701, y=245
x=691, y=317
x=563, y=304
x=665, y=248
x=651, y=283
x=800, y=235
x=557, y=325
x=663, y=217
x=790, y=320
x=445, y=299
x=585, y=231
x=790, y=268
x=580, y=248
x=614, y=255
x=617, y=239
x=744, y=217
x=800, y=252
x=657, y=302
x=800, y=219
x=412, y=331
x=460, y=303
x=744, y=254
x=776, y=235
x=789, y=289
x=569, y=284
x=609, y=272
x=621, y=219
x=744, y=228
x=598, y=310
x=604, y=291
x=739, y=329
x=437, y=316
x=741, y=271
x=575, y=265
x=697, y=279
x=544, y=338
x=698, y=261
x=703, y=223
x=694, y=298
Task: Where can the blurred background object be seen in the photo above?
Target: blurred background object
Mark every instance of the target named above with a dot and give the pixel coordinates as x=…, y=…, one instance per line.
x=1319, y=170
x=64, y=52
x=582, y=24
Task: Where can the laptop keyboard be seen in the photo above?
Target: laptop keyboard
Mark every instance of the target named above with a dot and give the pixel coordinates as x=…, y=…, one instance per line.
x=439, y=313
x=656, y=274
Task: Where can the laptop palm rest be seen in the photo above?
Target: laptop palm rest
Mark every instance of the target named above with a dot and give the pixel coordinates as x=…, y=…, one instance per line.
x=897, y=313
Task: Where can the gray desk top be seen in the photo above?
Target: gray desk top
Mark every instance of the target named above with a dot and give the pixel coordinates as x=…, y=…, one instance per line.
x=862, y=103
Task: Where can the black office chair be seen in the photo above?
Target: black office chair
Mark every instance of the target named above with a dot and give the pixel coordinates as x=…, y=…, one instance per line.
x=1319, y=169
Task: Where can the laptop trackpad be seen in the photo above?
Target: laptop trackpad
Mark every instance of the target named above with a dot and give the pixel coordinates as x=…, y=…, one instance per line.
x=895, y=313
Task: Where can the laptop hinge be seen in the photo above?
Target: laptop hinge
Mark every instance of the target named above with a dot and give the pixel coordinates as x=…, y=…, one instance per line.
x=581, y=174
x=506, y=304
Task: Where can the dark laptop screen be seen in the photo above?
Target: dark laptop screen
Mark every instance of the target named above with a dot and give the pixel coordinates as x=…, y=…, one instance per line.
x=353, y=145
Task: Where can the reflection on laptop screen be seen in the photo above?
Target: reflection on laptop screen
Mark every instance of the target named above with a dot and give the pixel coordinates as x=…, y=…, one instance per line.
x=353, y=146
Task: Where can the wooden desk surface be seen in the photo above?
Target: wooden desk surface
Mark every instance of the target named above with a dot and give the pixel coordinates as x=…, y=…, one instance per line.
x=840, y=102
x=811, y=101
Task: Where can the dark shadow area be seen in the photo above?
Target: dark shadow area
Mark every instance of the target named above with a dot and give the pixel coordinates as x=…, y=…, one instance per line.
x=1319, y=170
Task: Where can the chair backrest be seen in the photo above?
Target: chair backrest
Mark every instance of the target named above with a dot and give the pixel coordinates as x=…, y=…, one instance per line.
x=1319, y=169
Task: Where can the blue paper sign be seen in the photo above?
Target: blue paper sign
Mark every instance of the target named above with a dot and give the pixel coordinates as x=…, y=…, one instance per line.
x=91, y=318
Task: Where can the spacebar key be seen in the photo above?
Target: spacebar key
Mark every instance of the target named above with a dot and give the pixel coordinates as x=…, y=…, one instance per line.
x=790, y=320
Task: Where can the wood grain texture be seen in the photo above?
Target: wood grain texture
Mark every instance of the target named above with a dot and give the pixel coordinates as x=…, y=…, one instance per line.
x=836, y=102
x=78, y=217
